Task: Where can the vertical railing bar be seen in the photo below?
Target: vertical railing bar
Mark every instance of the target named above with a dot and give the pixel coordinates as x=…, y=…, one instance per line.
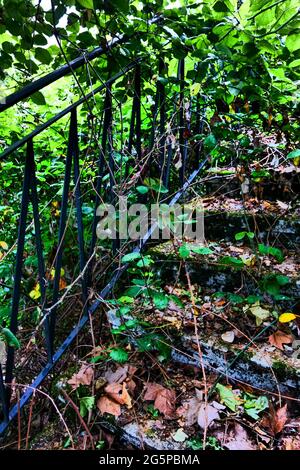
x=168, y=166
x=18, y=271
x=78, y=204
x=132, y=125
x=3, y=398
x=197, y=125
x=181, y=119
x=100, y=167
x=154, y=114
x=162, y=110
x=61, y=232
x=138, y=112
x=39, y=244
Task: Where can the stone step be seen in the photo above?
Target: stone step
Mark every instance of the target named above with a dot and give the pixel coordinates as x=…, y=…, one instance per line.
x=282, y=182
x=271, y=222
x=209, y=271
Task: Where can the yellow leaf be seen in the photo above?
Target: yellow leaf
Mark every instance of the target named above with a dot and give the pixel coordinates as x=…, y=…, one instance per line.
x=297, y=161
x=195, y=88
x=4, y=245
x=36, y=292
x=248, y=260
x=52, y=273
x=287, y=317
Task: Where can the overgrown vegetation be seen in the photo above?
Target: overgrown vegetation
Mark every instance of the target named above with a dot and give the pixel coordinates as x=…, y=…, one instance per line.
x=205, y=333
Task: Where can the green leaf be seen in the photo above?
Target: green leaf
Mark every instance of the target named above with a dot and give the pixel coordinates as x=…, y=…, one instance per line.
x=160, y=300
x=235, y=298
x=210, y=142
x=184, y=252
x=201, y=250
x=142, y=189
x=38, y=98
x=231, y=261
x=294, y=154
x=293, y=42
x=240, y=236
x=119, y=355
x=122, y=5
x=40, y=40
x=282, y=280
x=227, y=397
x=252, y=299
x=89, y=4
x=43, y=56
x=131, y=257
x=9, y=338
x=271, y=250
x=220, y=7
x=133, y=291
x=156, y=185
x=86, y=404
x=145, y=262
x=253, y=406
x=195, y=88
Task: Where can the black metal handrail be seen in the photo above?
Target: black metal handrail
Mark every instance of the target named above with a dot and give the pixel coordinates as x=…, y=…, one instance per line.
x=19, y=143
x=30, y=195
x=73, y=65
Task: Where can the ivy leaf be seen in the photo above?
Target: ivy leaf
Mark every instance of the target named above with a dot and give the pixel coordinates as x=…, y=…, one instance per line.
x=10, y=338
x=227, y=397
x=253, y=406
x=119, y=355
x=260, y=313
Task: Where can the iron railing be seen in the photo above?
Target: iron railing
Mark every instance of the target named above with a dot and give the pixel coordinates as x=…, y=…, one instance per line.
x=11, y=408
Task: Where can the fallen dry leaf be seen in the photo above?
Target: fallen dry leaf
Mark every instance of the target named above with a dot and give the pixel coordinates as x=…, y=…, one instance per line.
x=106, y=405
x=291, y=443
x=279, y=338
x=117, y=376
x=189, y=411
x=228, y=337
x=195, y=410
x=164, y=399
x=282, y=205
x=236, y=439
x=207, y=414
x=119, y=394
x=83, y=377
x=275, y=420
